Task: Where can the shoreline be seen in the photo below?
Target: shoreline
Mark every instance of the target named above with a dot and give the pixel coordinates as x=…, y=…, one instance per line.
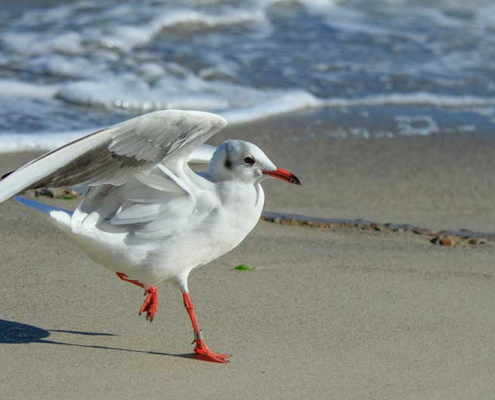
x=462, y=237
x=66, y=196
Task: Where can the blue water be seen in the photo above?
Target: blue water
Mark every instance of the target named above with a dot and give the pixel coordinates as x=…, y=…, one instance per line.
x=410, y=67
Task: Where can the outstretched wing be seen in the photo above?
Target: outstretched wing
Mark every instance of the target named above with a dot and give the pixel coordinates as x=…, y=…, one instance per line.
x=116, y=154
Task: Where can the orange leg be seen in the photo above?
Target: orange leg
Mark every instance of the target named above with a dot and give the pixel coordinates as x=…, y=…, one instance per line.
x=150, y=305
x=202, y=351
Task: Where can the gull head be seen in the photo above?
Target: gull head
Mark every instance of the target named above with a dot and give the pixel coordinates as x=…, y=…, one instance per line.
x=245, y=162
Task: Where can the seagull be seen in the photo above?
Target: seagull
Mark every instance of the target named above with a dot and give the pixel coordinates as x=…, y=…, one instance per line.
x=147, y=216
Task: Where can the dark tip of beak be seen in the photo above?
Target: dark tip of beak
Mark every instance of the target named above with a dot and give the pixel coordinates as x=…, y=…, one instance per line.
x=284, y=175
x=295, y=180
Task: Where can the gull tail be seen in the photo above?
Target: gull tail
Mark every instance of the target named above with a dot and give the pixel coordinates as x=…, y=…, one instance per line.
x=57, y=216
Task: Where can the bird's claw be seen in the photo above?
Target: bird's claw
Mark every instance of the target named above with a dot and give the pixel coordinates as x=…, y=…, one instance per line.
x=204, y=353
x=150, y=304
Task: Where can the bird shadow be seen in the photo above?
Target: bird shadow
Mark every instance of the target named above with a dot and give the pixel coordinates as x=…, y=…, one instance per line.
x=12, y=332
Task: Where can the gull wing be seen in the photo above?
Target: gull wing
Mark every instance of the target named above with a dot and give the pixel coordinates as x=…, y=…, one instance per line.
x=202, y=154
x=114, y=155
x=147, y=208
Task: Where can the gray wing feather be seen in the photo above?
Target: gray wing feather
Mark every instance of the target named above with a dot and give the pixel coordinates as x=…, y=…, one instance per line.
x=114, y=155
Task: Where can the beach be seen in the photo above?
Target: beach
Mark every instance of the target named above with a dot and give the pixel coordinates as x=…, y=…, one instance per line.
x=373, y=280
x=340, y=313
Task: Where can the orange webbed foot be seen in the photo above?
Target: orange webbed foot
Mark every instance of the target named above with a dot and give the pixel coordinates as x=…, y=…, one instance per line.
x=204, y=353
x=150, y=305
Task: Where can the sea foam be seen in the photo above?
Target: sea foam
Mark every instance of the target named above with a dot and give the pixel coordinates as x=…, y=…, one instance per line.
x=284, y=103
x=45, y=141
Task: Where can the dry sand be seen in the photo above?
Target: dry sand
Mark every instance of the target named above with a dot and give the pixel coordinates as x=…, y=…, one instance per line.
x=339, y=314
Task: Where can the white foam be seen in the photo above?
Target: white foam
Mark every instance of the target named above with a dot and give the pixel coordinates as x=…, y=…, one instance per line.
x=132, y=93
x=355, y=21
x=284, y=104
x=41, y=141
x=22, y=89
x=418, y=125
x=129, y=36
x=417, y=98
x=22, y=43
x=186, y=91
x=45, y=141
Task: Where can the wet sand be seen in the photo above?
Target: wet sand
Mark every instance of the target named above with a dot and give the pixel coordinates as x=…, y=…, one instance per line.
x=336, y=313
x=442, y=181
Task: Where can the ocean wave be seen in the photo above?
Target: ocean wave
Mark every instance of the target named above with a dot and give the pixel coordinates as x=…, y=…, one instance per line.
x=111, y=32
x=283, y=103
x=184, y=92
x=45, y=141
x=94, y=61
x=130, y=36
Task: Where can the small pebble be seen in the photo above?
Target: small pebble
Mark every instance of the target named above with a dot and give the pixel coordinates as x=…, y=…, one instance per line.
x=444, y=241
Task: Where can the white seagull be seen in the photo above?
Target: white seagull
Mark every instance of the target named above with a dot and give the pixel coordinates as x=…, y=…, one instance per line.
x=147, y=215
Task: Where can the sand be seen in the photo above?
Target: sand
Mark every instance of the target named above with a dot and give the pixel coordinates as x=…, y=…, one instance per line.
x=338, y=313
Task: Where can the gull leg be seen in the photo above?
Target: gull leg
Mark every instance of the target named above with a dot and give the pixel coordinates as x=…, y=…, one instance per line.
x=202, y=351
x=150, y=305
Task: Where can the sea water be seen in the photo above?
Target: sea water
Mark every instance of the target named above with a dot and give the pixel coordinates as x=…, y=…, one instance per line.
x=402, y=67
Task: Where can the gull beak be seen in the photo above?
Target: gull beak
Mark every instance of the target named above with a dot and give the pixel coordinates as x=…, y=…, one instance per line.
x=284, y=175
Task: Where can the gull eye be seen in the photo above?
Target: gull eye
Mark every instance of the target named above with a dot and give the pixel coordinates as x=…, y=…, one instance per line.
x=249, y=160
